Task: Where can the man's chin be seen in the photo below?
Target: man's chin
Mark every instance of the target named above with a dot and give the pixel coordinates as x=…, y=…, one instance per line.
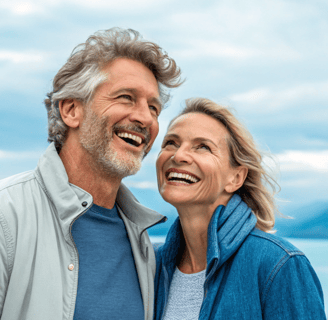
x=121, y=167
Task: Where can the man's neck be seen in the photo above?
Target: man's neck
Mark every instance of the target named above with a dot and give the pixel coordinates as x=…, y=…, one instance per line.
x=101, y=186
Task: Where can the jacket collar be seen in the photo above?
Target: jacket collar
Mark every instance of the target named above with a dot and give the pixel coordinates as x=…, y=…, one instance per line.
x=135, y=211
x=68, y=198
x=228, y=228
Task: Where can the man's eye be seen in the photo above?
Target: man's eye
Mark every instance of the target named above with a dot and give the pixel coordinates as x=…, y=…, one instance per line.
x=154, y=110
x=204, y=146
x=125, y=96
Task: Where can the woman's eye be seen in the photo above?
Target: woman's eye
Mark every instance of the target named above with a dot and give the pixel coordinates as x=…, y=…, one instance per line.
x=168, y=143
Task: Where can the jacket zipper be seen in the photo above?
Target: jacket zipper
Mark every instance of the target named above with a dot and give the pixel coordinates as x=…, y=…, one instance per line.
x=74, y=246
x=205, y=287
x=166, y=291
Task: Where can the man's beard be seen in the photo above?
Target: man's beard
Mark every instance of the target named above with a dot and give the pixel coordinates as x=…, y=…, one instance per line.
x=97, y=140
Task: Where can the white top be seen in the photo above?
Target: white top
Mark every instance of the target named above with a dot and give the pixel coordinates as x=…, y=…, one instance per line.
x=185, y=296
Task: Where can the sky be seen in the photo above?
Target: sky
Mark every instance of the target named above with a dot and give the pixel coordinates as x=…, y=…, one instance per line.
x=267, y=60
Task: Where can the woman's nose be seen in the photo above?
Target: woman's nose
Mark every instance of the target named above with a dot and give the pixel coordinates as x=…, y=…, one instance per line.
x=182, y=155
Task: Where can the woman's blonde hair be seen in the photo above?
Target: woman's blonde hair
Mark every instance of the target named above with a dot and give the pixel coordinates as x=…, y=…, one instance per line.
x=255, y=191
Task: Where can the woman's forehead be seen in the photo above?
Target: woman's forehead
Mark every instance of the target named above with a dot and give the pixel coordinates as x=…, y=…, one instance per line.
x=198, y=123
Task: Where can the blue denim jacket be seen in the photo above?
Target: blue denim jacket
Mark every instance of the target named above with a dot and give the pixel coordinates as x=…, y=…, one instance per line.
x=250, y=274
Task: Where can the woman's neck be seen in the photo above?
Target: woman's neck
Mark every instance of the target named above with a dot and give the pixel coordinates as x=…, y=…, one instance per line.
x=194, y=222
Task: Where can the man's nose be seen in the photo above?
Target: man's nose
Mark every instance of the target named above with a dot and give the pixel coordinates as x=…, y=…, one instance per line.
x=142, y=114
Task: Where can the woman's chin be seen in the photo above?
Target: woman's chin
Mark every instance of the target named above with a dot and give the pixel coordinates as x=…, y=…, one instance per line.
x=176, y=199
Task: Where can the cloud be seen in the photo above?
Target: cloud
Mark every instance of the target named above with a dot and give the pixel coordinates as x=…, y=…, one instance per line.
x=197, y=48
x=251, y=96
x=122, y=5
x=240, y=31
x=268, y=99
x=292, y=161
x=19, y=155
x=21, y=57
x=40, y=7
x=22, y=8
x=142, y=184
x=23, y=71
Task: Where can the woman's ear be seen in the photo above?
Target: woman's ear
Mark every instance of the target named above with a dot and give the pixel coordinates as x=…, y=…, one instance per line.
x=71, y=112
x=237, y=180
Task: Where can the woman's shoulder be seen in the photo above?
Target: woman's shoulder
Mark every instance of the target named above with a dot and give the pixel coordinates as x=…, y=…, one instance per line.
x=267, y=252
x=283, y=269
x=271, y=257
x=271, y=243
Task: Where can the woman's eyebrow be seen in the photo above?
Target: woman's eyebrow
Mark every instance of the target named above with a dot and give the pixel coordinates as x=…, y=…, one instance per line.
x=171, y=135
x=203, y=139
x=195, y=140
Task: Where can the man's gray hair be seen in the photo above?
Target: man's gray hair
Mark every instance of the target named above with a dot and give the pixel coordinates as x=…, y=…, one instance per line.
x=82, y=73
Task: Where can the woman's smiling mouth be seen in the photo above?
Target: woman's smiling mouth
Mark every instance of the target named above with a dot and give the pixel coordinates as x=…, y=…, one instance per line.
x=181, y=176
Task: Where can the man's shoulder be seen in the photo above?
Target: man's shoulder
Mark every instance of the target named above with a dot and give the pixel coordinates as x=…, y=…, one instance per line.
x=16, y=194
x=17, y=181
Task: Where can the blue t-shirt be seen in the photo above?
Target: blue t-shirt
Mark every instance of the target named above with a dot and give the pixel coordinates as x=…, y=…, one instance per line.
x=108, y=285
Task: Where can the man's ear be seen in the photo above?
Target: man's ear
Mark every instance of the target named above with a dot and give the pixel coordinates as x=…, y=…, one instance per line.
x=71, y=112
x=237, y=179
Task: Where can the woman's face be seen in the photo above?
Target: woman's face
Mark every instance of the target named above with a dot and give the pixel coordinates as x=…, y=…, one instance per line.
x=193, y=165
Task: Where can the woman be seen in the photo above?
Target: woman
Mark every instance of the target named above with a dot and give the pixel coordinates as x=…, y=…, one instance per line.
x=220, y=260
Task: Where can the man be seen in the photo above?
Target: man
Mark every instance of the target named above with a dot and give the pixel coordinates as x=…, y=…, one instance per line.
x=73, y=239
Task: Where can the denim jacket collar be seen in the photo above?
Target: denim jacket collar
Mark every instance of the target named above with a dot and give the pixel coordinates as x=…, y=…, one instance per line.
x=228, y=228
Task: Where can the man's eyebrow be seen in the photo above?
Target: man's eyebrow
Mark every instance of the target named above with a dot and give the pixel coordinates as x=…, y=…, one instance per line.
x=123, y=90
x=156, y=101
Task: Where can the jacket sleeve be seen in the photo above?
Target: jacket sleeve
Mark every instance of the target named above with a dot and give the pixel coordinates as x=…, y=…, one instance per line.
x=6, y=259
x=294, y=292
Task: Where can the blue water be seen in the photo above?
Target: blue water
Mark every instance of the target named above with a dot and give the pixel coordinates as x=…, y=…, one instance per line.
x=315, y=250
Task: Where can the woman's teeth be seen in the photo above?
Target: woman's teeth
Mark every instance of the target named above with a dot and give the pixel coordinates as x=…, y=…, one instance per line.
x=182, y=176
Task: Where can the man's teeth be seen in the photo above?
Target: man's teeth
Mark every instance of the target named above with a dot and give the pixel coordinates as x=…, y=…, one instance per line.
x=184, y=176
x=133, y=137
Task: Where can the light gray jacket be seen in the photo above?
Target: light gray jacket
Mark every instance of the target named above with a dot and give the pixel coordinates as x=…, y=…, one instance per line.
x=39, y=262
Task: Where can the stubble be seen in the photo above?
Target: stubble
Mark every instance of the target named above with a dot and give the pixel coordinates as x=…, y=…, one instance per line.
x=96, y=139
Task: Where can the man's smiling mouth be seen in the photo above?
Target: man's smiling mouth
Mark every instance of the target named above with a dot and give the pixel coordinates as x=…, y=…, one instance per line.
x=130, y=138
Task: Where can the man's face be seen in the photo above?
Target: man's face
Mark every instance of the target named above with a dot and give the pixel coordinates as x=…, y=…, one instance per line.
x=121, y=123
